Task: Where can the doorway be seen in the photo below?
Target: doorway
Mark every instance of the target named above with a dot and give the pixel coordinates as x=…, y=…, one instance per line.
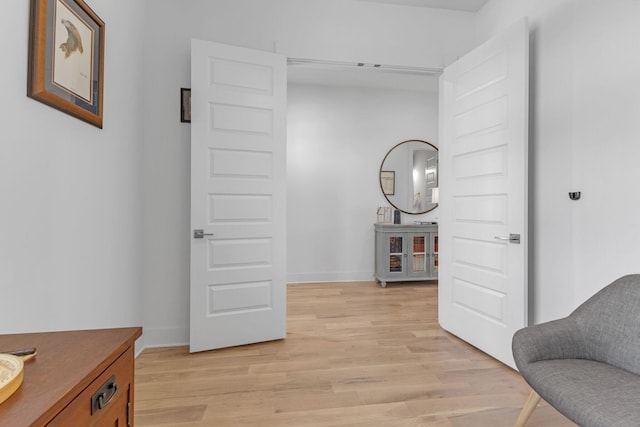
x=340, y=124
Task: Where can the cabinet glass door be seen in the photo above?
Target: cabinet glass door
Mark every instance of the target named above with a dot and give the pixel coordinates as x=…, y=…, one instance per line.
x=435, y=254
x=395, y=254
x=419, y=264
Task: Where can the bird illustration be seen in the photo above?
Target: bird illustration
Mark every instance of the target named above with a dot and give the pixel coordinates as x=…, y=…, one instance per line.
x=74, y=41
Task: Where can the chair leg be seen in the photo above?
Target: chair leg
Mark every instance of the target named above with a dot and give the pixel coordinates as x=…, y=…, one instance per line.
x=527, y=409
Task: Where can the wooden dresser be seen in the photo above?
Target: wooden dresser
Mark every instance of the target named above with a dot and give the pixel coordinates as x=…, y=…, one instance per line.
x=75, y=374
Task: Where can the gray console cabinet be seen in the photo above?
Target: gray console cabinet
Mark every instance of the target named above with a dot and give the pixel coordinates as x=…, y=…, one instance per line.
x=406, y=252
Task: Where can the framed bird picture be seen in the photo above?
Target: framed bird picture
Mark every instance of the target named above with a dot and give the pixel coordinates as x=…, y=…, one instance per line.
x=66, y=58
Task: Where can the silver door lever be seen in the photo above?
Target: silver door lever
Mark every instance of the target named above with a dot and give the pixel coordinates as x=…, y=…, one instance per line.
x=512, y=238
x=199, y=233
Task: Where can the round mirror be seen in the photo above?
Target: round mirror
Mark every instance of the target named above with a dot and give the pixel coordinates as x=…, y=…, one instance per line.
x=409, y=175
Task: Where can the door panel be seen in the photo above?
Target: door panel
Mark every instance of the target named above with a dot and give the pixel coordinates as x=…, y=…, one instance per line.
x=483, y=193
x=238, y=183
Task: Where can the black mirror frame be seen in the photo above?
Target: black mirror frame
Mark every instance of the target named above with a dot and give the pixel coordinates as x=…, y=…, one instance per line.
x=381, y=170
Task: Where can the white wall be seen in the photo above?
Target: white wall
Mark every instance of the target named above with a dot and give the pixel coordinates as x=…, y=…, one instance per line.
x=337, y=138
x=70, y=193
x=324, y=29
x=72, y=202
x=584, y=121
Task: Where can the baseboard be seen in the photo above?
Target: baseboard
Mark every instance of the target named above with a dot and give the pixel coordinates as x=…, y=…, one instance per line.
x=336, y=276
x=165, y=337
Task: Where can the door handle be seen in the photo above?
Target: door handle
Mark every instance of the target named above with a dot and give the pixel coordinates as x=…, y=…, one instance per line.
x=511, y=238
x=199, y=233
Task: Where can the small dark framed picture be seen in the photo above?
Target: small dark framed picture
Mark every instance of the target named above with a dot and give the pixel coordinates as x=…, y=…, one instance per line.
x=185, y=105
x=66, y=58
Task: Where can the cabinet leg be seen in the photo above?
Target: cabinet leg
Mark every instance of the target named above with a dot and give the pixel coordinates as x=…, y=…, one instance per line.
x=383, y=284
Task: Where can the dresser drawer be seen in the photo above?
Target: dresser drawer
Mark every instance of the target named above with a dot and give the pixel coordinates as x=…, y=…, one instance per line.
x=90, y=409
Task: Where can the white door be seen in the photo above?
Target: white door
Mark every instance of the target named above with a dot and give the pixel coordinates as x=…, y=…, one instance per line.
x=238, y=188
x=483, y=193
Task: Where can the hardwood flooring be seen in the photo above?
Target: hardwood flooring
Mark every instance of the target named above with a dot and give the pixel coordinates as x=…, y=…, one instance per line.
x=355, y=355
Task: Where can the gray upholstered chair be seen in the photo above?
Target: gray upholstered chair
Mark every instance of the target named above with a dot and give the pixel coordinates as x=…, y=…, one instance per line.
x=587, y=365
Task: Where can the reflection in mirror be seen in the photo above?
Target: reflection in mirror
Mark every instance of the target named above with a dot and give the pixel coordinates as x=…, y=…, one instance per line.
x=409, y=175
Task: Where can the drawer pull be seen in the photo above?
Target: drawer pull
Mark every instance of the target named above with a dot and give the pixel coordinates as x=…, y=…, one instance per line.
x=104, y=396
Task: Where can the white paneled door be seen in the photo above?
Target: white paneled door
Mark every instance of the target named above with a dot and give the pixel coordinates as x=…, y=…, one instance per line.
x=238, y=188
x=483, y=193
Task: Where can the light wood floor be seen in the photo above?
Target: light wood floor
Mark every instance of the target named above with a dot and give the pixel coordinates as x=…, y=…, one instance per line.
x=355, y=355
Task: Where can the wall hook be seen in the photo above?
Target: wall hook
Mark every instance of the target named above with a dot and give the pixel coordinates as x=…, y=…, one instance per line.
x=575, y=195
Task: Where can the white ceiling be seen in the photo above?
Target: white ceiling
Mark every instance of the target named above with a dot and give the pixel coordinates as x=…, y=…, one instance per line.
x=372, y=78
x=465, y=5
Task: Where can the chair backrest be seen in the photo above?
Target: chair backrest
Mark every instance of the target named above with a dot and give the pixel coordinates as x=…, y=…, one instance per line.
x=610, y=324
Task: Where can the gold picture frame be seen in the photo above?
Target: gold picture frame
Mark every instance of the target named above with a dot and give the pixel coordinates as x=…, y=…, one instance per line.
x=66, y=58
